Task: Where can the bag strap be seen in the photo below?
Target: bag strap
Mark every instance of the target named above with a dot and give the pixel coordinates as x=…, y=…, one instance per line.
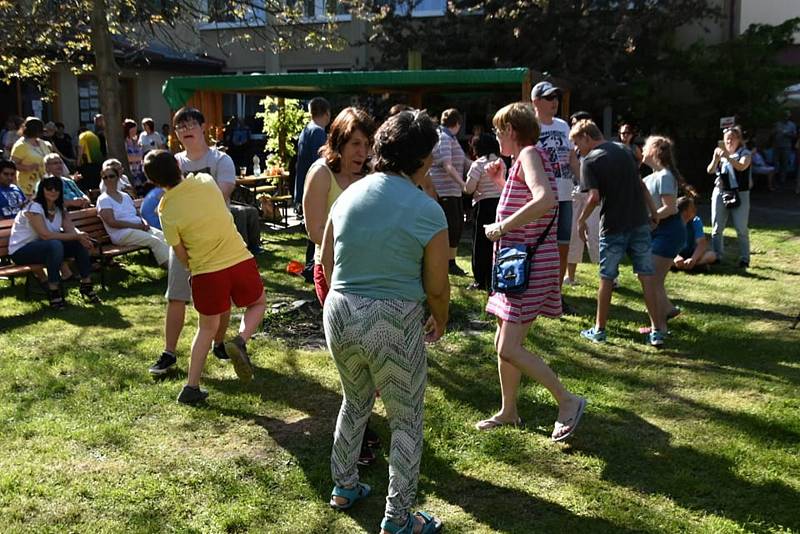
x=532, y=249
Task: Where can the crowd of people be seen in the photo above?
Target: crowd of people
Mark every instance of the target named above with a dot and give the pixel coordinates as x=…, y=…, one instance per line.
x=383, y=209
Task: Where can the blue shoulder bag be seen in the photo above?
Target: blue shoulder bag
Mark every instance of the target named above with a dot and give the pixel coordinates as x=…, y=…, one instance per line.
x=512, y=265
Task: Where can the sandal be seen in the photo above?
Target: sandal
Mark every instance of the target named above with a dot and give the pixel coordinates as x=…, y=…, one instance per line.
x=56, y=300
x=571, y=423
x=493, y=422
x=88, y=293
x=353, y=495
x=430, y=524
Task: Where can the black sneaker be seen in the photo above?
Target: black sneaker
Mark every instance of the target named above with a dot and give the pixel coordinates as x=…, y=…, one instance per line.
x=453, y=268
x=240, y=359
x=190, y=395
x=366, y=456
x=219, y=351
x=744, y=264
x=371, y=438
x=566, y=309
x=163, y=364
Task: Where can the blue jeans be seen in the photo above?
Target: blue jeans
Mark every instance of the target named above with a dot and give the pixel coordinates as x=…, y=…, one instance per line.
x=740, y=217
x=564, y=233
x=52, y=252
x=635, y=243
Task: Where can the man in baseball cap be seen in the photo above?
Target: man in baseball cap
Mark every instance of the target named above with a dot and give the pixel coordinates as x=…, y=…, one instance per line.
x=543, y=89
x=554, y=140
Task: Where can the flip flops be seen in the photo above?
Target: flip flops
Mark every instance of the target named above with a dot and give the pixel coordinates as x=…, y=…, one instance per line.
x=353, y=495
x=493, y=422
x=571, y=423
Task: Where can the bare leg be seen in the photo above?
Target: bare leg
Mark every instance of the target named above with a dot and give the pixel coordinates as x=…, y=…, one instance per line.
x=571, y=268
x=603, y=302
x=206, y=327
x=513, y=353
x=173, y=324
x=563, y=252
x=224, y=321
x=453, y=253
x=251, y=320
x=662, y=266
x=657, y=321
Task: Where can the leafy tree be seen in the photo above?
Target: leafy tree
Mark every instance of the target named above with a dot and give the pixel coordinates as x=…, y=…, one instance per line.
x=39, y=34
x=282, y=122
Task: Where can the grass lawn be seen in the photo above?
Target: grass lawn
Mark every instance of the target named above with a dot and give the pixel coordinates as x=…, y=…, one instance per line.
x=703, y=436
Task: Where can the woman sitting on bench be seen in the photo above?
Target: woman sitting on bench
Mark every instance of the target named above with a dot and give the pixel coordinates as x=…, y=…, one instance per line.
x=43, y=233
x=123, y=224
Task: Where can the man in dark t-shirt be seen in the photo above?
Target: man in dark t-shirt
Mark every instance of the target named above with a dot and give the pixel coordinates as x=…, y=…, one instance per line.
x=609, y=173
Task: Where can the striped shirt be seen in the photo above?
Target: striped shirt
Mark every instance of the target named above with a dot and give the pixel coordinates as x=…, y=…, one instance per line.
x=447, y=150
x=543, y=296
x=479, y=183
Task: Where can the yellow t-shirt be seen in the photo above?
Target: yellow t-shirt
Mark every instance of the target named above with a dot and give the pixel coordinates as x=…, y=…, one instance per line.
x=194, y=213
x=27, y=154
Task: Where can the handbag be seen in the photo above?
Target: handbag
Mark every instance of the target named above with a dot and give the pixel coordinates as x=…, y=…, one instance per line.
x=730, y=199
x=512, y=264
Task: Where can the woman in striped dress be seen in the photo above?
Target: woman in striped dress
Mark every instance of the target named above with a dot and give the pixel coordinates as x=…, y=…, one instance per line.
x=527, y=206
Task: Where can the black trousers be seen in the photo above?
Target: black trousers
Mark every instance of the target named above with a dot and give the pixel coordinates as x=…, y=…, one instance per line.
x=485, y=212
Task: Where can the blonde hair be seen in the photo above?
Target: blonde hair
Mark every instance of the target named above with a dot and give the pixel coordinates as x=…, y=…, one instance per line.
x=519, y=117
x=585, y=127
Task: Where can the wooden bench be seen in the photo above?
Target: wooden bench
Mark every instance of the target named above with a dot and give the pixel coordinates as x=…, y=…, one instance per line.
x=85, y=220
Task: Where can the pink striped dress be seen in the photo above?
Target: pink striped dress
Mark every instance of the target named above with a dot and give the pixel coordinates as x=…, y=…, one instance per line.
x=543, y=296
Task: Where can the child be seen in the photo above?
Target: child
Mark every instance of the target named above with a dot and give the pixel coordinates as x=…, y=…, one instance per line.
x=197, y=224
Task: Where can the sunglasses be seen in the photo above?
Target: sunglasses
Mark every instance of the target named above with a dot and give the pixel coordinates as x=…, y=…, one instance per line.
x=550, y=98
x=50, y=187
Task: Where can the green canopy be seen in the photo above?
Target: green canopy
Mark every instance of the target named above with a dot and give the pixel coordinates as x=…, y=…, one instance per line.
x=178, y=90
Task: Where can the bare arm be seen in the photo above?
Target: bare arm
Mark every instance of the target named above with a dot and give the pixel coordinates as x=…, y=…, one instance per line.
x=107, y=216
x=327, y=253
x=742, y=163
x=542, y=197
x=315, y=202
x=591, y=203
x=712, y=166
x=669, y=207
x=436, y=284
x=181, y=253
x=227, y=189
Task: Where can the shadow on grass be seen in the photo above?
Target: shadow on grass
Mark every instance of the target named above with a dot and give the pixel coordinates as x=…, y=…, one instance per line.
x=638, y=454
x=309, y=440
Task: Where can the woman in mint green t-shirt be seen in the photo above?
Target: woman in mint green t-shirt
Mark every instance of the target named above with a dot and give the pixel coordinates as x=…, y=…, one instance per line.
x=384, y=252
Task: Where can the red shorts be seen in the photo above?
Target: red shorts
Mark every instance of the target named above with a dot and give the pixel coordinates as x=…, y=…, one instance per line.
x=212, y=292
x=320, y=285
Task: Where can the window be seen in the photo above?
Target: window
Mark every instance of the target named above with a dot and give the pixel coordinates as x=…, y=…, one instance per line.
x=419, y=8
x=231, y=11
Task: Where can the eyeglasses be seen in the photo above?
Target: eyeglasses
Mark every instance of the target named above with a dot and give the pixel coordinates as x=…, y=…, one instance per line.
x=186, y=126
x=550, y=98
x=110, y=176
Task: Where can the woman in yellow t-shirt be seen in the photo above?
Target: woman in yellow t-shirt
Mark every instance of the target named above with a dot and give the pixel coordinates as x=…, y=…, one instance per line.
x=28, y=154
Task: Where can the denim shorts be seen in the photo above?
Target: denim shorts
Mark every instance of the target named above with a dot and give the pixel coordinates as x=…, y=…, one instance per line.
x=669, y=237
x=635, y=243
x=564, y=222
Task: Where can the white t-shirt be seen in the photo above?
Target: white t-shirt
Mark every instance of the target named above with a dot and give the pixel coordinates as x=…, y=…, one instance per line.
x=554, y=139
x=215, y=162
x=124, y=211
x=150, y=141
x=23, y=233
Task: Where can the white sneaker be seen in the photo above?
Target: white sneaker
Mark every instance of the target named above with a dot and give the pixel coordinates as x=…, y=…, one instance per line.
x=570, y=281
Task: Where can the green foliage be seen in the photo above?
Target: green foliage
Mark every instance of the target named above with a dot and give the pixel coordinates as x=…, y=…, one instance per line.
x=286, y=122
x=742, y=77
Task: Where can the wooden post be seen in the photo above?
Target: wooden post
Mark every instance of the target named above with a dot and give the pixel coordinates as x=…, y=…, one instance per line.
x=526, y=88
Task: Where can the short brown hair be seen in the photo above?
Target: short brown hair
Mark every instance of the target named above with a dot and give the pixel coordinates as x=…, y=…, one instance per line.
x=450, y=117
x=586, y=127
x=161, y=168
x=346, y=123
x=520, y=117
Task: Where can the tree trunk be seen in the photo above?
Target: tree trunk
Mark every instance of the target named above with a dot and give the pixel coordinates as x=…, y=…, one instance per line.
x=107, y=72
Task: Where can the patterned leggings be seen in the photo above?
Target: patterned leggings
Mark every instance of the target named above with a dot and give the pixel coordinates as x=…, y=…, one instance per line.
x=378, y=344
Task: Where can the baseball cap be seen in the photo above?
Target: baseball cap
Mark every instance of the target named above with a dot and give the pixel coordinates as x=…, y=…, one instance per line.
x=544, y=89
